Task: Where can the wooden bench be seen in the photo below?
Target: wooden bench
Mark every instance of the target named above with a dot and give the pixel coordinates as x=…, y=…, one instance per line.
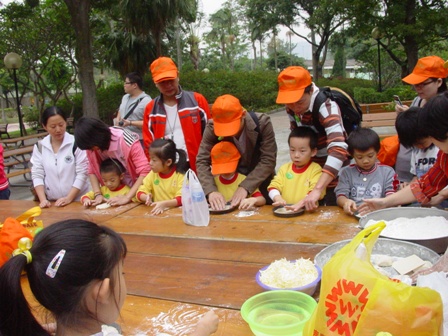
x=4, y=130
x=382, y=122
x=379, y=107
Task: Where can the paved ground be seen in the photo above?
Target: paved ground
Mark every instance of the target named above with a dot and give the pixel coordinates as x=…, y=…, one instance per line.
x=279, y=120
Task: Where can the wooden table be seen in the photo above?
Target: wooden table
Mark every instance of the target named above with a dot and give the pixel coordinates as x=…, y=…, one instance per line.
x=176, y=272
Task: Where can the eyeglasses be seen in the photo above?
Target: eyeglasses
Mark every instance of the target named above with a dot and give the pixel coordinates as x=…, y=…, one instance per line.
x=422, y=85
x=127, y=83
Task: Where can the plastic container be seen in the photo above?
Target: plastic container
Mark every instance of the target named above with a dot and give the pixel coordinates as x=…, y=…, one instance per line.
x=280, y=312
x=307, y=289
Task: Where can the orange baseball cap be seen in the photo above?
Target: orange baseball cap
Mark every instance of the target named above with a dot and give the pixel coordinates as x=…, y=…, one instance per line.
x=225, y=157
x=427, y=67
x=292, y=83
x=163, y=69
x=227, y=113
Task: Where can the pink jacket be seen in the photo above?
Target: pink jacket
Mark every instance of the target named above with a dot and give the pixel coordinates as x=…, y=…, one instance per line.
x=126, y=148
x=3, y=179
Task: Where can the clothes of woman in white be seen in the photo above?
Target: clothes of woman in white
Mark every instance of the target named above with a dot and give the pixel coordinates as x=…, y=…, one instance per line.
x=59, y=172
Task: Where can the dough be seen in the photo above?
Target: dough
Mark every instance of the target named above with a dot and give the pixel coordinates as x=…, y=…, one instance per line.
x=102, y=206
x=381, y=260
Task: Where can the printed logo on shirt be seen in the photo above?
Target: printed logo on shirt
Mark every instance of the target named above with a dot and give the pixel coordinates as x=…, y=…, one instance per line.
x=194, y=119
x=289, y=176
x=68, y=159
x=156, y=182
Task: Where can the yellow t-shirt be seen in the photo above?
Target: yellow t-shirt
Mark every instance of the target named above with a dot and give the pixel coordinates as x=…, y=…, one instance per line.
x=162, y=187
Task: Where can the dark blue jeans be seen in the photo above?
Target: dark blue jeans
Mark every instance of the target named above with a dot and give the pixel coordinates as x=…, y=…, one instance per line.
x=4, y=194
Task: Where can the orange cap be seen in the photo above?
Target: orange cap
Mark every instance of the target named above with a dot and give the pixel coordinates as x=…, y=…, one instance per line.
x=162, y=69
x=292, y=83
x=227, y=113
x=427, y=67
x=225, y=157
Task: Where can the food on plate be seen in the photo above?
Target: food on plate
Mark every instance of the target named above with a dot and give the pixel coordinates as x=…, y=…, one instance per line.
x=103, y=206
x=289, y=274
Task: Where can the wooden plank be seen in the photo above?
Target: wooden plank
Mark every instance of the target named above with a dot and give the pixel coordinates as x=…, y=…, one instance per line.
x=75, y=210
x=18, y=172
x=250, y=252
x=325, y=226
x=214, y=283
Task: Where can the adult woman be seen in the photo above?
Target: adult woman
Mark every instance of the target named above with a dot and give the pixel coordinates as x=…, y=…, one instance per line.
x=102, y=142
x=428, y=79
x=59, y=169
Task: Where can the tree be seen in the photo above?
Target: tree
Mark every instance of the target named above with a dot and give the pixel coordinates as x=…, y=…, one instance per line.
x=409, y=26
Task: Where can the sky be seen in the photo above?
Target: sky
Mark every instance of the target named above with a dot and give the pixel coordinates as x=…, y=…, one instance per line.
x=303, y=48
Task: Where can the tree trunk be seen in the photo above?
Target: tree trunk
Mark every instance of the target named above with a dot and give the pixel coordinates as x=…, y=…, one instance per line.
x=254, y=48
x=79, y=12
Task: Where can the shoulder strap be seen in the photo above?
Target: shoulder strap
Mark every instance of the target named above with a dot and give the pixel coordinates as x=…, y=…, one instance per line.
x=39, y=146
x=321, y=97
x=133, y=107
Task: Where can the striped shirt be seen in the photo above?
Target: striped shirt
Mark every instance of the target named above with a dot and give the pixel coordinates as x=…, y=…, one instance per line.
x=433, y=181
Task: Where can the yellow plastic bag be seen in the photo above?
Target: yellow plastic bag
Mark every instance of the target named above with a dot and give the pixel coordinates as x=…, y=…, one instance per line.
x=355, y=299
x=13, y=229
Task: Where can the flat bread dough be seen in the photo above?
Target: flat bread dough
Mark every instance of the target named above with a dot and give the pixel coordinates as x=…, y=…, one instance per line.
x=103, y=206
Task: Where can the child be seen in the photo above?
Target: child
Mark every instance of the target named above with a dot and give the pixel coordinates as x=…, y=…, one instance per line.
x=112, y=173
x=4, y=184
x=224, y=159
x=75, y=270
x=162, y=187
x=367, y=178
x=296, y=179
x=424, y=152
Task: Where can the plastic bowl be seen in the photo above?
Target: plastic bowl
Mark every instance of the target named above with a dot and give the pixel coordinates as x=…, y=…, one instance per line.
x=280, y=312
x=307, y=289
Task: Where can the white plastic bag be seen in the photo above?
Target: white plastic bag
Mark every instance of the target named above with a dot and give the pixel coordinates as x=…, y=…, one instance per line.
x=194, y=205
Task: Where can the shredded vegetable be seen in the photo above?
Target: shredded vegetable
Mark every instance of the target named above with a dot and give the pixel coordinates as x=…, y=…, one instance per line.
x=289, y=274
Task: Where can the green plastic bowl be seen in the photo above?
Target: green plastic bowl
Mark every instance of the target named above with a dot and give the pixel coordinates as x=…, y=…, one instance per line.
x=280, y=312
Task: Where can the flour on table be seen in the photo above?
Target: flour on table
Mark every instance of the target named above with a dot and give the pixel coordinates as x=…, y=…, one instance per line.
x=103, y=206
x=428, y=227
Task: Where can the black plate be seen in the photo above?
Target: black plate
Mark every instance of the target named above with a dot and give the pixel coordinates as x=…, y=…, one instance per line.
x=282, y=212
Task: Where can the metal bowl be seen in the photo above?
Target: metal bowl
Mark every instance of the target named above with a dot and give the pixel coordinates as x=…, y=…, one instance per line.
x=438, y=244
x=389, y=247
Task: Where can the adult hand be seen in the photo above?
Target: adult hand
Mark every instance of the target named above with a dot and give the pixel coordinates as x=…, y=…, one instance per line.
x=349, y=207
x=296, y=207
x=370, y=205
x=63, y=201
x=401, y=108
x=247, y=203
x=311, y=200
x=45, y=204
x=98, y=200
x=238, y=196
x=216, y=200
x=119, y=200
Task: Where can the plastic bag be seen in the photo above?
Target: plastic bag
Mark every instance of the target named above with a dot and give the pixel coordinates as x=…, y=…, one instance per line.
x=356, y=299
x=194, y=205
x=12, y=230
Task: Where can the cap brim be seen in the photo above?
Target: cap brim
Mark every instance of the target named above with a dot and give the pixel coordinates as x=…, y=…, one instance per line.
x=224, y=168
x=414, y=79
x=167, y=75
x=289, y=97
x=227, y=129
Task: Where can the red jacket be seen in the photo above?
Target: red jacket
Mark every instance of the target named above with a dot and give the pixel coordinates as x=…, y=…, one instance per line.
x=193, y=115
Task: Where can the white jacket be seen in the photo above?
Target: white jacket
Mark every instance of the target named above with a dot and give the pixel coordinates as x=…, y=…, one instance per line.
x=59, y=172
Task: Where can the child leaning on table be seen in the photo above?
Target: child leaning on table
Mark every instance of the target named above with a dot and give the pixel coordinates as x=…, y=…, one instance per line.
x=112, y=173
x=366, y=178
x=162, y=187
x=224, y=164
x=296, y=179
x=75, y=271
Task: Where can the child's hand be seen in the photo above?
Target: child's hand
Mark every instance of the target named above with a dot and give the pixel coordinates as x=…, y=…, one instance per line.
x=98, y=200
x=87, y=202
x=207, y=325
x=295, y=207
x=45, y=204
x=350, y=207
x=278, y=201
x=247, y=203
x=148, y=200
x=158, y=208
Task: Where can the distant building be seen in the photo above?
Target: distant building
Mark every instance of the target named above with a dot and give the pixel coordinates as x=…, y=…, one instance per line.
x=353, y=69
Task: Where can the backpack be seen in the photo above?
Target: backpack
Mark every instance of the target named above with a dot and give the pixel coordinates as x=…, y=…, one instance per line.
x=351, y=112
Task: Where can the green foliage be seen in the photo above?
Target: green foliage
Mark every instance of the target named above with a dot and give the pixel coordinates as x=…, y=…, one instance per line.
x=370, y=95
x=346, y=84
x=31, y=116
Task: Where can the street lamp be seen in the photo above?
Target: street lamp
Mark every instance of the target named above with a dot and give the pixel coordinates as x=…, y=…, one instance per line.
x=377, y=35
x=14, y=62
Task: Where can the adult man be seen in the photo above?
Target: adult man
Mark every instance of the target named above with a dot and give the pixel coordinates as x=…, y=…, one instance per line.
x=133, y=103
x=254, y=137
x=176, y=114
x=298, y=92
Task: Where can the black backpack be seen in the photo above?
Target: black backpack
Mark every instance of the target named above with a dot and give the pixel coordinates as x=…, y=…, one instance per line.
x=351, y=112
